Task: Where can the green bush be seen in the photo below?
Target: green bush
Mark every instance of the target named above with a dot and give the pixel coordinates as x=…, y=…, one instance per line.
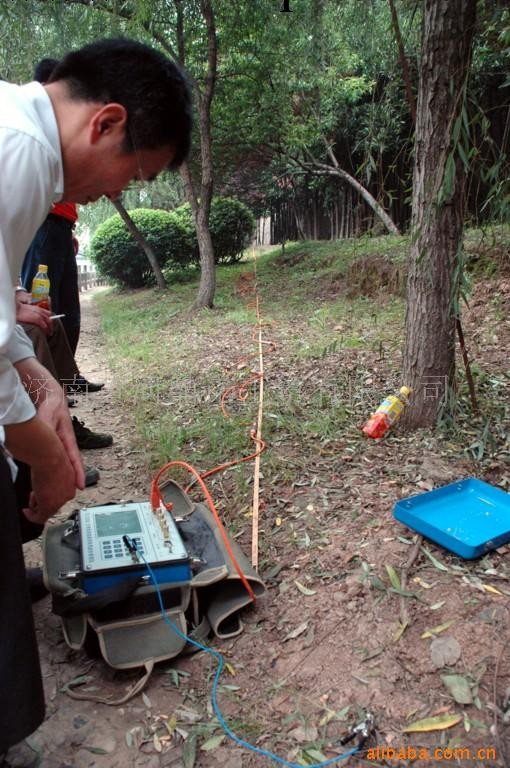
x=184, y=216
x=231, y=223
x=119, y=257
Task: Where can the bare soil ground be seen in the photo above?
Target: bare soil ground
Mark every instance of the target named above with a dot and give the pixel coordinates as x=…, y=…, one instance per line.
x=336, y=636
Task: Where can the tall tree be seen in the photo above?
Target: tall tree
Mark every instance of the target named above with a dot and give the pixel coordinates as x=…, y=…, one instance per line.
x=438, y=205
x=180, y=36
x=200, y=199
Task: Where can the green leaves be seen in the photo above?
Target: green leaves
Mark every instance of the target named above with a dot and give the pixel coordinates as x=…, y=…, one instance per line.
x=213, y=742
x=435, y=562
x=393, y=576
x=189, y=751
x=120, y=258
x=231, y=224
x=305, y=590
x=459, y=688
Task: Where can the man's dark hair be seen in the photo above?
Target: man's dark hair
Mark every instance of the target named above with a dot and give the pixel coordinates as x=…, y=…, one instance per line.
x=43, y=69
x=153, y=90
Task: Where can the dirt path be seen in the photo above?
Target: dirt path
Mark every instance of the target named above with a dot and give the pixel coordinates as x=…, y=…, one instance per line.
x=75, y=733
x=117, y=465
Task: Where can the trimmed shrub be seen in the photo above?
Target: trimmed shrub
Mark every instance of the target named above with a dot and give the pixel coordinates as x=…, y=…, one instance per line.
x=231, y=223
x=119, y=257
x=184, y=216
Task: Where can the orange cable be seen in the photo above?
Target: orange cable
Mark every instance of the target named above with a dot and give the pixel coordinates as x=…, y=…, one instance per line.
x=156, y=493
x=242, y=394
x=220, y=467
x=242, y=391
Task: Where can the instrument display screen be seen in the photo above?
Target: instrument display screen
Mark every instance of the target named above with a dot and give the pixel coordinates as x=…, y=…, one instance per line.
x=117, y=523
x=154, y=534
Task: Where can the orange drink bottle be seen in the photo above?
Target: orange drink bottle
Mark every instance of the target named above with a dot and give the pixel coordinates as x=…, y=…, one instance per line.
x=387, y=414
x=41, y=287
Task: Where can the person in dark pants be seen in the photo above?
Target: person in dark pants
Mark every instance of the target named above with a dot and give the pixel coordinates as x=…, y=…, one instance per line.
x=17, y=718
x=53, y=246
x=113, y=111
x=52, y=349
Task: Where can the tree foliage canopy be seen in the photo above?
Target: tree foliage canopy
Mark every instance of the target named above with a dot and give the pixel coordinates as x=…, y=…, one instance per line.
x=290, y=86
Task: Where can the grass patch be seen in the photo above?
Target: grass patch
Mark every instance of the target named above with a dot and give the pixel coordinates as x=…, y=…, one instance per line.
x=175, y=364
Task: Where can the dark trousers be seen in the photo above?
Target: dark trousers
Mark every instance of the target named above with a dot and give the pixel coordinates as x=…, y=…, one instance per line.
x=53, y=246
x=53, y=351
x=21, y=691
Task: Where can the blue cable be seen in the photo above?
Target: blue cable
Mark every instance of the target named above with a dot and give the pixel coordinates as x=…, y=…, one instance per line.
x=219, y=670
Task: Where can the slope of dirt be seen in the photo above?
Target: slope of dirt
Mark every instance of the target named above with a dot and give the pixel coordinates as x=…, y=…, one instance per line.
x=339, y=633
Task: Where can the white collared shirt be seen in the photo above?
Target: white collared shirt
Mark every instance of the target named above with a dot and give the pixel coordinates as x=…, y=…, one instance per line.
x=31, y=180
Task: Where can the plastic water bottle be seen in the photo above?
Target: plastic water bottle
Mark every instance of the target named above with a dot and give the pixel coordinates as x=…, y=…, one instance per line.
x=387, y=414
x=41, y=287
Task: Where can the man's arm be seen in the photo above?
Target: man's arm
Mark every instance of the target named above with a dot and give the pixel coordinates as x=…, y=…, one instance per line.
x=53, y=477
x=48, y=397
x=30, y=175
x=45, y=441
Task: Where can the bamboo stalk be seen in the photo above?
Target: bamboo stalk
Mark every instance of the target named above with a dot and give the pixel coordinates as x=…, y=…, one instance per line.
x=467, y=366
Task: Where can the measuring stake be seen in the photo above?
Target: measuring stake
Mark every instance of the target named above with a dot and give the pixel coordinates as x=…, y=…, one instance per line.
x=256, y=477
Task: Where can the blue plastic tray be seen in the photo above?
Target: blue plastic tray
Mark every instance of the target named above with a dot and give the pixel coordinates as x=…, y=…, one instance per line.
x=469, y=517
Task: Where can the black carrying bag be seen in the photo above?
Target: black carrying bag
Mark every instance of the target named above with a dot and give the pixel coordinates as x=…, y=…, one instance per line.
x=124, y=621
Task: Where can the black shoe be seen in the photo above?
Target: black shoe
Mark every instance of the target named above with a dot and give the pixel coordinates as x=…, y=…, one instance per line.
x=71, y=402
x=80, y=384
x=88, y=439
x=21, y=755
x=36, y=585
x=91, y=476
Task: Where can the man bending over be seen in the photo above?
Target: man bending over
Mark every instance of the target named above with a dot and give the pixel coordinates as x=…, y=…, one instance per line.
x=111, y=112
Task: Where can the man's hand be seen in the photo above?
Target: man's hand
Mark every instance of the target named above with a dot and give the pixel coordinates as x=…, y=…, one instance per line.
x=48, y=495
x=26, y=312
x=53, y=476
x=48, y=398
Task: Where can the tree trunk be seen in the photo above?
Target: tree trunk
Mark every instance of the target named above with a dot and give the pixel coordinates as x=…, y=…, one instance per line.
x=438, y=208
x=207, y=285
x=403, y=60
x=300, y=224
x=201, y=205
x=142, y=242
x=343, y=212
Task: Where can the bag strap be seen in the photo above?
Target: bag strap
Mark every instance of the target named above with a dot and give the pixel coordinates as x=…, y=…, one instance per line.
x=66, y=605
x=137, y=688
x=200, y=633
